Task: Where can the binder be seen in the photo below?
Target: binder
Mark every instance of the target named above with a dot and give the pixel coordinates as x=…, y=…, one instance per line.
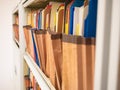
x=67, y=17
x=60, y=19
x=43, y=19
x=90, y=21
x=78, y=21
x=54, y=7
x=40, y=19
x=76, y=3
x=47, y=13
x=29, y=17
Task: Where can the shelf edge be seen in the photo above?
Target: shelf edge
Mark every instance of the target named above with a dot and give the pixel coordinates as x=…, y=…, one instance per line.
x=42, y=80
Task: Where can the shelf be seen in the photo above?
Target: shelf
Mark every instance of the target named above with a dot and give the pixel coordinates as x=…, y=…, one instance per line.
x=40, y=77
x=16, y=42
x=38, y=3
x=15, y=11
x=35, y=3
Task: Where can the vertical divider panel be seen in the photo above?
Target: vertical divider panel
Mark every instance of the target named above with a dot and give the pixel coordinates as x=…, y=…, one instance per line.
x=22, y=21
x=102, y=44
x=114, y=60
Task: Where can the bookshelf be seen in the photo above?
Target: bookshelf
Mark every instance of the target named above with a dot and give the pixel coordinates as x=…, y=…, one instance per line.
x=23, y=8
x=101, y=55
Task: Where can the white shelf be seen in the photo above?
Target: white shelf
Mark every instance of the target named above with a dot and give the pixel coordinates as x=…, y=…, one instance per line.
x=16, y=43
x=29, y=2
x=40, y=77
x=15, y=10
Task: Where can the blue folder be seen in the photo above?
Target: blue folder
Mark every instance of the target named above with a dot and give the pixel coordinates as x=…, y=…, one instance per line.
x=39, y=20
x=91, y=20
x=76, y=3
x=35, y=49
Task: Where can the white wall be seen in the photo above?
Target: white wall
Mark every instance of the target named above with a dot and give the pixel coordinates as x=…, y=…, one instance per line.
x=6, y=45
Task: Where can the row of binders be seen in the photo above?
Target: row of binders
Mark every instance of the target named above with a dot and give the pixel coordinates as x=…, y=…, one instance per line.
x=75, y=17
x=30, y=82
x=16, y=27
x=61, y=40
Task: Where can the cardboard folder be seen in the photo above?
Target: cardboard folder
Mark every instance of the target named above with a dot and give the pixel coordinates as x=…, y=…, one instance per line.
x=35, y=47
x=50, y=62
x=60, y=19
x=78, y=53
x=29, y=41
x=90, y=62
x=54, y=58
x=76, y=3
x=16, y=19
x=39, y=36
x=16, y=31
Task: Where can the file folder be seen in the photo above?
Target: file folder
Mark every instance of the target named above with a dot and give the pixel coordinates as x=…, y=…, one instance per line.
x=78, y=21
x=54, y=58
x=54, y=7
x=91, y=20
x=81, y=60
x=35, y=49
x=76, y=3
x=29, y=41
x=50, y=63
x=47, y=13
x=60, y=19
x=90, y=62
x=41, y=47
x=67, y=17
x=29, y=17
x=16, y=31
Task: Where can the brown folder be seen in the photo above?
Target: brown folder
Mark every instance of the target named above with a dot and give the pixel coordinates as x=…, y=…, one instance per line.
x=54, y=58
x=29, y=41
x=50, y=64
x=90, y=62
x=57, y=52
x=78, y=59
x=16, y=31
x=27, y=81
x=60, y=17
x=39, y=36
